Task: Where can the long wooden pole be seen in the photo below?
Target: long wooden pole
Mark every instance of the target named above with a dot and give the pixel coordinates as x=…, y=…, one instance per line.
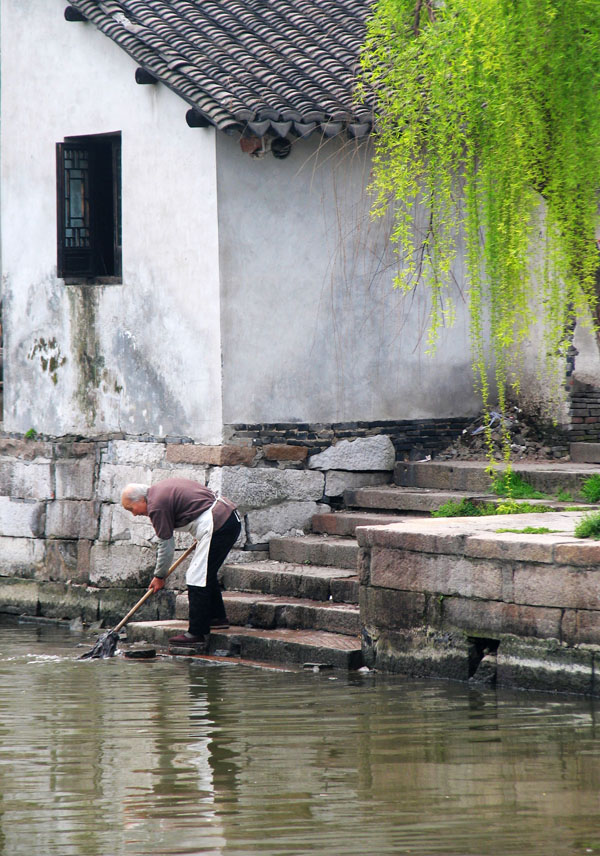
x=149, y=593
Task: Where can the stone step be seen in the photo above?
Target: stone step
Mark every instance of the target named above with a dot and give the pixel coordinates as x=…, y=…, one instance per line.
x=254, y=609
x=314, y=648
x=472, y=476
x=585, y=453
x=345, y=522
x=409, y=500
x=312, y=582
x=420, y=502
x=315, y=550
x=248, y=609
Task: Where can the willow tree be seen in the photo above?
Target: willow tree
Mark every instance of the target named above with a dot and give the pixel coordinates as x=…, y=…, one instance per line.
x=489, y=120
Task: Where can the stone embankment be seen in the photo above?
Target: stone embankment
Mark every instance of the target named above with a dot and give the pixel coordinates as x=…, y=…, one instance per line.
x=69, y=551
x=457, y=598
x=433, y=597
x=377, y=581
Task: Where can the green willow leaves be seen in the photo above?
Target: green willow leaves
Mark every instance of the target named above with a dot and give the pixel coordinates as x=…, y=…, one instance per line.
x=489, y=121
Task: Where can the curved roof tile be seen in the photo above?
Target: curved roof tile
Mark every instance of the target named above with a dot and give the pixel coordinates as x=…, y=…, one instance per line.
x=241, y=61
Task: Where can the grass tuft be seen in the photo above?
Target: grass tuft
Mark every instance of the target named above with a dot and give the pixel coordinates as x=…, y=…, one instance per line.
x=513, y=485
x=466, y=508
x=564, y=496
x=589, y=526
x=530, y=530
x=512, y=507
x=590, y=488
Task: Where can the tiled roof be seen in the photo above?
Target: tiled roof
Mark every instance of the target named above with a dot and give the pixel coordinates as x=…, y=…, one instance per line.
x=275, y=66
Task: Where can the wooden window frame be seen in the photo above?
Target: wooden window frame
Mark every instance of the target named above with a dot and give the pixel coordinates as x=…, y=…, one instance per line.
x=95, y=254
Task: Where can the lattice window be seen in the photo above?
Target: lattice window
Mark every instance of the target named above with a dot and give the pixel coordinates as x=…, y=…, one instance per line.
x=89, y=207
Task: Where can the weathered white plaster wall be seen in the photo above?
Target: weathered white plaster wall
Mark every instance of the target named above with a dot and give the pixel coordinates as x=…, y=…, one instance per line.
x=143, y=356
x=312, y=328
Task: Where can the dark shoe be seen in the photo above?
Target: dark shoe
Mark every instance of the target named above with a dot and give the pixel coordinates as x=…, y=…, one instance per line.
x=219, y=624
x=187, y=639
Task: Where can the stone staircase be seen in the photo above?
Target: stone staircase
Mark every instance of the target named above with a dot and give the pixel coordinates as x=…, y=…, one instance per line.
x=301, y=605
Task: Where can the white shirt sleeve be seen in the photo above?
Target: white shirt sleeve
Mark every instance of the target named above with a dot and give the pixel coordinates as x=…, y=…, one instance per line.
x=164, y=556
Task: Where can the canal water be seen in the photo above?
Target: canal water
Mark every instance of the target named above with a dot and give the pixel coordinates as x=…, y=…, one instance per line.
x=120, y=757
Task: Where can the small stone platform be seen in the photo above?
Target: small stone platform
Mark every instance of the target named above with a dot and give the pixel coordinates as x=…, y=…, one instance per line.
x=455, y=597
x=280, y=645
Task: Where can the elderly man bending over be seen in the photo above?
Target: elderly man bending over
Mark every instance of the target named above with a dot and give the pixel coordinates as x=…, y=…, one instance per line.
x=187, y=506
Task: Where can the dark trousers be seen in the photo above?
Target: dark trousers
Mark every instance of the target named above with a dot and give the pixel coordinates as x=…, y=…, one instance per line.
x=206, y=602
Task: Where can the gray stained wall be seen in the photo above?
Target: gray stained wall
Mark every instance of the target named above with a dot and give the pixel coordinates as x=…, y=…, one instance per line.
x=312, y=327
x=253, y=289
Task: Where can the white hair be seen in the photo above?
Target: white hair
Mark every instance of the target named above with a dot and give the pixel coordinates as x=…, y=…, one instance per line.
x=134, y=492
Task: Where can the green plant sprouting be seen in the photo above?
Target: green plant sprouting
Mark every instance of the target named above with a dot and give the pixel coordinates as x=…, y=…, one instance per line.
x=589, y=526
x=531, y=530
x=564, y=496
x=590, y=488
x=513, y=485
x=467, y=508
x=462, y=508
x=488, y=138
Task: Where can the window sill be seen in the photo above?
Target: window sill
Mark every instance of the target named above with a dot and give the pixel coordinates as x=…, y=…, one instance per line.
x=92, y=280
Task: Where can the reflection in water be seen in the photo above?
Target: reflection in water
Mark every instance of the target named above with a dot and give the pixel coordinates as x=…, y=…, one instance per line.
x=111, y=757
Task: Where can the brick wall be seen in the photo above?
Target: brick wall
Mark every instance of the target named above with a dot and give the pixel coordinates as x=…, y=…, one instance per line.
x=411, y=438
x=584, y=414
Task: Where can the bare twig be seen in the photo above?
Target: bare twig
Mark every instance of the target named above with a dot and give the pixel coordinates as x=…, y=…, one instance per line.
x=417, y=16
x=418, y=6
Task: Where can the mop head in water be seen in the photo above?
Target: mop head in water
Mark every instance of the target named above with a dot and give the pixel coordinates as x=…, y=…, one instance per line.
x=104, y=647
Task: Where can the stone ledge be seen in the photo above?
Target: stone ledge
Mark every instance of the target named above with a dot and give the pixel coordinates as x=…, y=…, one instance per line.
x=399, y=570
x=285, y=452
x=524, y=663
x=27, y=450
x=578, y=552
x=419, y=535
x=472, y=476
x=477, y=537
x=585, y=453
x=437, y=594
x=547, y=665
x=392, y=609
x=562, y=587
x=496, y=619
x=527, y=548
x=218, y=456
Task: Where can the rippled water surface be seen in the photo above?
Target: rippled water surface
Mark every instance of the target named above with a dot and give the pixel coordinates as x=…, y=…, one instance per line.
x=112, y=757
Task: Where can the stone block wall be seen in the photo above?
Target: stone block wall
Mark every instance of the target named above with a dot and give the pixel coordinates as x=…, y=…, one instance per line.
x=62, y=528
x=456, y=598
x=61, y=523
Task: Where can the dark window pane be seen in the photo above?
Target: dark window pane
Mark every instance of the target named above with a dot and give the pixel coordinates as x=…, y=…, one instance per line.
x=89, y=199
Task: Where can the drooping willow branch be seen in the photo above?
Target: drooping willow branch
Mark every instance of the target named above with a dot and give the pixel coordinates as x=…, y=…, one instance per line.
x=484, y=105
